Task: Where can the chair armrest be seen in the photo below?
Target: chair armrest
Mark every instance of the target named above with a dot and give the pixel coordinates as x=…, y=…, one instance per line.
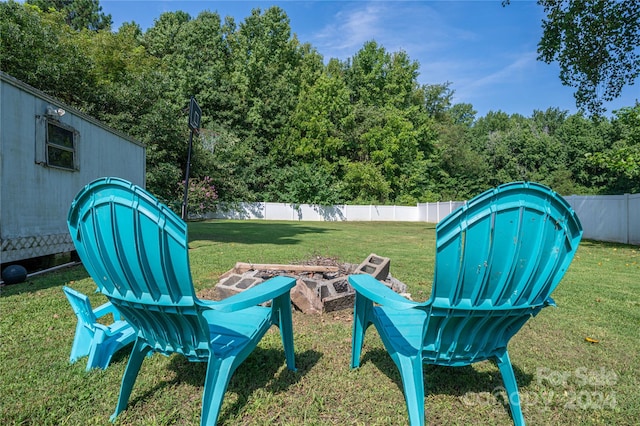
x=379, y=293
x=107, y=308
x=253, y=296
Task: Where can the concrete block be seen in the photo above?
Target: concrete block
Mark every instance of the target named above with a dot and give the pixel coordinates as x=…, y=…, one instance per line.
x=375, y=265
x=395, y=284
x=236, y=283
x=337, y=294
x=318, y=288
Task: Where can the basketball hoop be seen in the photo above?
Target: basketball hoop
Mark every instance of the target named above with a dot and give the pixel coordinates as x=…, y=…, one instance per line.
x=209, y=139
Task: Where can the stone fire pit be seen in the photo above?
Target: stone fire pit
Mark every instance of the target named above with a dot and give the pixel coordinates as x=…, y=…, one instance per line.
x=322, y=284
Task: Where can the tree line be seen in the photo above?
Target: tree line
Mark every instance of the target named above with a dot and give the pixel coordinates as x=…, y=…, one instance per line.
x=282, y=124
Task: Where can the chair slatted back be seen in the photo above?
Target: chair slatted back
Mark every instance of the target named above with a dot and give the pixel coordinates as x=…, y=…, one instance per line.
x=81, y=307
x=498, y=258
x=138, y=248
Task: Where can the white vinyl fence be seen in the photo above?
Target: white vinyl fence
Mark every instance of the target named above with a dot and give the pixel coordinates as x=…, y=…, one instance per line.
x=614, y=218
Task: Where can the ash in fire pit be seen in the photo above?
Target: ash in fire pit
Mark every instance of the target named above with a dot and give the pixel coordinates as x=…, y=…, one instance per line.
x=322, y=284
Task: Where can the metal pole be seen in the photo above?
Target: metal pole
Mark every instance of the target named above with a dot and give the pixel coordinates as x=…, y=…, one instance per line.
x=186, y=179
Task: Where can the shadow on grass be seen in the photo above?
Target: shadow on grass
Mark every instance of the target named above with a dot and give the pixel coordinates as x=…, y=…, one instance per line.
x=44, y=281
x=250, y=232
x=604, y=244
x=259, y=371
x=454, y=381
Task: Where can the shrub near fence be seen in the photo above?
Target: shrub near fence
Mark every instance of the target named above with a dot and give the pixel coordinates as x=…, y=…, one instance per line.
x=613, y=218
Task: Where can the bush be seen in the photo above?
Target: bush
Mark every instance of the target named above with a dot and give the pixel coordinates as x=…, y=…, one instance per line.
x=202, y=196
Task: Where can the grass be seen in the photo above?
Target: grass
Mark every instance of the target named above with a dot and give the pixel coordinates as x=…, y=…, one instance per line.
x=563, y=378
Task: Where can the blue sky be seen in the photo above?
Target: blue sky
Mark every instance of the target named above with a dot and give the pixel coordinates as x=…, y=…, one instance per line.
x=487, y=52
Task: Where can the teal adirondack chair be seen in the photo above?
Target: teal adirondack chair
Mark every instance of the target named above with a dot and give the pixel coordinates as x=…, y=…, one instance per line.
x=135, y=249
x=498, y=258
x=98, y=341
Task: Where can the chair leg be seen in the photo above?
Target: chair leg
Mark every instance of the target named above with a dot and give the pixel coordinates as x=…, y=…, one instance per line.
x=282, y=306
x=98, y=355
x=140, y=349
x=511, y=386
x=81, y=343
x=215, y=385
x=361, y=314
x=413, y=386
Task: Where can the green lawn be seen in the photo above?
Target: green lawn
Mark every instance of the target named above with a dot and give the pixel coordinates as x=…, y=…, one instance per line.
x=563, y=378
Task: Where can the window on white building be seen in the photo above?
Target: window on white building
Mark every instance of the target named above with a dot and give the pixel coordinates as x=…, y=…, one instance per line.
x=61, y=146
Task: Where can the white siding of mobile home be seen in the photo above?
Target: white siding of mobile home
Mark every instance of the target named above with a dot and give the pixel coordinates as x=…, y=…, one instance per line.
x=34, y=197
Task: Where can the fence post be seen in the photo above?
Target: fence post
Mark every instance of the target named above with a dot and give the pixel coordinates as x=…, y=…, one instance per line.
x=627, y=221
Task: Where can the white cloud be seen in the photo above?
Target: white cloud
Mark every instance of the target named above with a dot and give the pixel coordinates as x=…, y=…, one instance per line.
x=349, y=30
x=477, y=83
x=414, y=27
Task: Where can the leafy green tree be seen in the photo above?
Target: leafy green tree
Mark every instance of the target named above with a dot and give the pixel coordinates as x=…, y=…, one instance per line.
x=116, y=57
x=493, y=121
x=461, y=171
x=264, y=58
x=280, y=125
x=389, y=125
x=131, y=94
x=192, y=57
x=364, y=183
x=315, y=128
x=458, y=170
x=520, y=148
x=245, y=79
x=264, y=62
x=366, y=72
x=483, y=130
x=626, y=124
x=377, y=77
x=596, y=45
x=401, y=85
x=437, y=99
x=549, y=121
x=618, y=168
x=305, y=183
x=580, y=135
x=162, y=126
x=41, y=50
x=230, y=164
x=78, y=14
x=462, y=113
x=392, y=145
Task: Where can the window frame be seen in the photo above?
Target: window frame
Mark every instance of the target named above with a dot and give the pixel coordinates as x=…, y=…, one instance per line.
x=48, y=143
